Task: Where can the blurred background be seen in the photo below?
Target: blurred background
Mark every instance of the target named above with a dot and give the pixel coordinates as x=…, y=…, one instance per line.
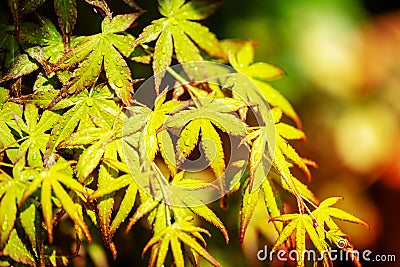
x=342, y=65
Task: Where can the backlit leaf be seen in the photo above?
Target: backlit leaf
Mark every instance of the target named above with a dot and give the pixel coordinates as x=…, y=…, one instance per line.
x=179, y=22
x=118, y=23
x=89, y=55
x=51, y=180
x=17, y=251
x=35, y=130
x=178, y=233
x=249, y=202
x=242, y=61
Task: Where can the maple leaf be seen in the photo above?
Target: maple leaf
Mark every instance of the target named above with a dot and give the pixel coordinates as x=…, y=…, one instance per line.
x=328, y=229
x=33, y=133
x=101, y=138
x=178, y=31
x=50, y=180
x=8, y=45
x=48, y=43
x=7, y=123
x=151, y=205
x=193, y=121
x=267, y=181
x=154, y=137
x=264, y=178
x=174, y=236
x=302, y=224
x=180, y=201
x=11, y=192
x=314, y=225
x=259, y=73
x=96, y=102
x=104, y=49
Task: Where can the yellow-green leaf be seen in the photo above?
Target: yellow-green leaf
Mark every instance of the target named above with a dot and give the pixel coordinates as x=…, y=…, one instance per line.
x=249, y=202
x=17, y=250
x=118, y=23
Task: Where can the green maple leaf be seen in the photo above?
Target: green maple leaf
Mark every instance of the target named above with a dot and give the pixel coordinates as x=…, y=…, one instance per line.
x=52, y=180
x=328, y=228
x=320, y=228
x=17, y=250
x=203, y=119
x=47, y=43
x=301, y=224
x=101, y=138
x=154, y=137
x=180, y=201
x=267, y=182
x=182, y=232
x=178, y=31
x=46, y=50
x=179, y=198
x=34, y=134
x=264, y=179
x=259, y=73
x=7, y=123
x=11, y=192
x=106, y=50
x=96, y=102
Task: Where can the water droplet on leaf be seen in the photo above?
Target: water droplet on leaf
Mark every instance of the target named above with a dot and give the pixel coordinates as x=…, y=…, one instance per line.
x=89, y=102
x=118, y=83
x=249, y=201
x=174, y=22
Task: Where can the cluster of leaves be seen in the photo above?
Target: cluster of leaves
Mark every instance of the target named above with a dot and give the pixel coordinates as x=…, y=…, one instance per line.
x=63, y=142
